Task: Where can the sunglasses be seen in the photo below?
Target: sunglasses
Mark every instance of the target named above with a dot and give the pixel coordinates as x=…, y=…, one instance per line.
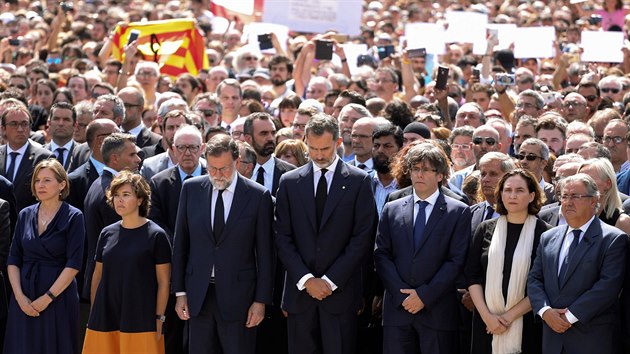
x=55, y=61
x=490, y=141
x=590, y=98
x=530, y=157
x=607, y=90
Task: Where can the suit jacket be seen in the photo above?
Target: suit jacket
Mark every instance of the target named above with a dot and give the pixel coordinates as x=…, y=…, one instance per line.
x=551, y=214
x=24, y=173
x=477, y=212
x=67, y=162
x=154, y=165
x=5, y=233
x=153, y=150
x=337, y=248
x=280, y=167
x=432, y=270
x=407, y=191
x=7, y=193
x=97, y=215
x=80, y=181
x=80, y=155
x=242, y=256
x=147, y=138
x=590, y=289
x=550, y=193
x=166, y=187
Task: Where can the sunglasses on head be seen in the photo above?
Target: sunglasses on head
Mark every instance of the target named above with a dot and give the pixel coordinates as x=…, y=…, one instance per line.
x=606, y=90
x=530, y=157
x=478, y=140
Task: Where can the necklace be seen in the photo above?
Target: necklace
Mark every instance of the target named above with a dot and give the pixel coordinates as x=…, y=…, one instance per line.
x=43, y=221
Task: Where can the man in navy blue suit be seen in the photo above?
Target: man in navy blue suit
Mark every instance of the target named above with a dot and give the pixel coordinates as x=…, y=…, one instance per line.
x=577, y=274
x=223, y=254
x=421, y=247
x=325, y=222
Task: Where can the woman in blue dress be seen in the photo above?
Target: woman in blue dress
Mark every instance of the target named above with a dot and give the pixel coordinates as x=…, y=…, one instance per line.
x=44, y=259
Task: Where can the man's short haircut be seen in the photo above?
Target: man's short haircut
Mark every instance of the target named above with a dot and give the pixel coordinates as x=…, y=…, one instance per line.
x=382, y=130
x=187, y=129
x=105, y=86
x=63, y=105
x=248, y=153
x=507, y=163
x=485, y=88
x=550, y=123
x=586, y=180
x=540, y=101
x=81, y=77
x=14, y=109
x=544, y=149
x=353, y=96
x=248, y=126
x=321, y=123
x=118, y=105
x=357, y=108
x=220, y=144
x=280, y=59
x=431, y=153
x=114, y=144
x=206, y=96
x=232, y=83
x=461, y=131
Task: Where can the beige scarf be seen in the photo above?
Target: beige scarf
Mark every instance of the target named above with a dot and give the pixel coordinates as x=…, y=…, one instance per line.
x=510, y=341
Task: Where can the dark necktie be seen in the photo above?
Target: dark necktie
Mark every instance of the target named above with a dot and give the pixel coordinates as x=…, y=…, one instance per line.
x=219, y=215
x=418, y=227
x=362, y=166
x=570, y=253
x=187, y=177
x=260, y=177
x=489, y=212
x=321, y=195
x=60, y=155
x=11, y=169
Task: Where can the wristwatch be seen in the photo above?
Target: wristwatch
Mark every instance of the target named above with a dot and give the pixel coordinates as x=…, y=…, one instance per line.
x=160, y=317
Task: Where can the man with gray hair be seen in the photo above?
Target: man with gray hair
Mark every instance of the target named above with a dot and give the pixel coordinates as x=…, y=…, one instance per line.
x=84, y=117
x=347, y=117
x=111, y=107
x=533, y=156
x=611, y=87
x=577, y=275
x=505, y=133
x=485, y=139
x=469, y=114
x=132, y=122
x=575, y=108
x=529, y=103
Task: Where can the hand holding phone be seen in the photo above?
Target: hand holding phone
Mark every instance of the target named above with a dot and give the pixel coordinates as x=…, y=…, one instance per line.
x=323, y=49
x=133, y=35
x=442, y=78
x=264, y=41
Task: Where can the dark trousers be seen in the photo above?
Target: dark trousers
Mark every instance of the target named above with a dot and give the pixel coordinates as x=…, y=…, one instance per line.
x=173, y=329
x=209, y=333
x=272, y=332
x=418, y=339
x=315, y=331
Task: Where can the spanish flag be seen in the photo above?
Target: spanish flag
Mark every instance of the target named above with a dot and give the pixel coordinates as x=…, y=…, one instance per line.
x=176, y=45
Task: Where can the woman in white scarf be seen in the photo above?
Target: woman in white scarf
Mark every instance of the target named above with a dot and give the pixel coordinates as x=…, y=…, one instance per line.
x=499, y=260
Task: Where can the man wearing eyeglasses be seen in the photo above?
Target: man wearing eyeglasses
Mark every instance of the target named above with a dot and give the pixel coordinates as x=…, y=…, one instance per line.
x=534, y=156
x=223, y=254
x=575, y=108
x=578, y=272
x=485, y=139
x=165, y=189
x=132, y=122
x=616, y=142
x=611, y=86
x=590, y=91
x=529, y=103
x=208, y=105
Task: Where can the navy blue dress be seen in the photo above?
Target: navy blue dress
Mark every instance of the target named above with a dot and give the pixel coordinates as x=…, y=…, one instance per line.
x=41, y=258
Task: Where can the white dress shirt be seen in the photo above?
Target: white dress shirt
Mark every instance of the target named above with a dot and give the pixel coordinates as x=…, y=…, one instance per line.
x=269, y=168
x=432, y=199
x=18, y=159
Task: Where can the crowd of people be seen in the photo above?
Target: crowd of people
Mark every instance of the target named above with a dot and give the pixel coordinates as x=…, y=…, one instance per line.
x=279, y=203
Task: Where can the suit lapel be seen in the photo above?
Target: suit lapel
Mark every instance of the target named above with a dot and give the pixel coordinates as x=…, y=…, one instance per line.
x=276, y=176
x=436, y=214
x=205, y=205
x=26, y=160
x=239, y=203
x=307, y=189
x=477, y=215
x=3, y=160
x=406, y=210
x=555, y=245
x=594, y=230
x=335, y=193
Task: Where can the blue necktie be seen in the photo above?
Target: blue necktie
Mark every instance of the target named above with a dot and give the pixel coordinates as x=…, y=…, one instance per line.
x=570, y=253
x=418, y=227
x=11, y=170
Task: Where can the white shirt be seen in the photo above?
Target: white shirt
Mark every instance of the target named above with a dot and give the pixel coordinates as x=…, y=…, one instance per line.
x=317, y=173
x=564, y=250
x=369, y=164
x=269, y=168
x=66, y=152
x=18, y=159
x=136, y=131
x=432, y=199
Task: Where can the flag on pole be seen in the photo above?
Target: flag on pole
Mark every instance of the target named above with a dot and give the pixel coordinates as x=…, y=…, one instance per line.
x=176, y=45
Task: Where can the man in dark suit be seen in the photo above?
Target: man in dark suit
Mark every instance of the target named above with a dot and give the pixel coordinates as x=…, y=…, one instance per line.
x=5, y=242
x=61, y=122
x=19, y=156
x=551, y=213
x=421, y=248
x=82, y=178
x=533, y=155
x=577, y=275
x=223, y=254
x=325, y=223
x=132, y=122
x=165, y=189
x=259, y=132
x=119, y=153
x=158, y=163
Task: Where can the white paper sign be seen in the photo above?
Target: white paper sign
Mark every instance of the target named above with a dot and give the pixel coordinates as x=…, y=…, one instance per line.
x=466, y=27
x=425, y=35
x=603, y=47
x=534, y=42
x=505, y=34
x=315, y=16
x=352, y=51
x=252, y=30
x=242, y=6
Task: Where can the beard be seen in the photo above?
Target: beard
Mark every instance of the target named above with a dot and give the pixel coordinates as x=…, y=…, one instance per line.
x=220, y=183
x=265, y=150
x=278, y=81
x=381, y=164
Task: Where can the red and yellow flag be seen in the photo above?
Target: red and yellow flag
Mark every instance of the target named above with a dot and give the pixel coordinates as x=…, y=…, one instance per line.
x=179, y=46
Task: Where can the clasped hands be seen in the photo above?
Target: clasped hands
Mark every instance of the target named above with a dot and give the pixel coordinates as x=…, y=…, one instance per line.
x=557, y=320
x=318, y=288
x=412, y=302
x=33, y=308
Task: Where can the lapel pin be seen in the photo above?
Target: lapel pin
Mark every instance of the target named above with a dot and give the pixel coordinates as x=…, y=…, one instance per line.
x=343, y=187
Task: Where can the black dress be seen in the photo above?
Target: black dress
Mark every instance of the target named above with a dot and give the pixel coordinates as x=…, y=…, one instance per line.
x=123, y=314
x=475, y=272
